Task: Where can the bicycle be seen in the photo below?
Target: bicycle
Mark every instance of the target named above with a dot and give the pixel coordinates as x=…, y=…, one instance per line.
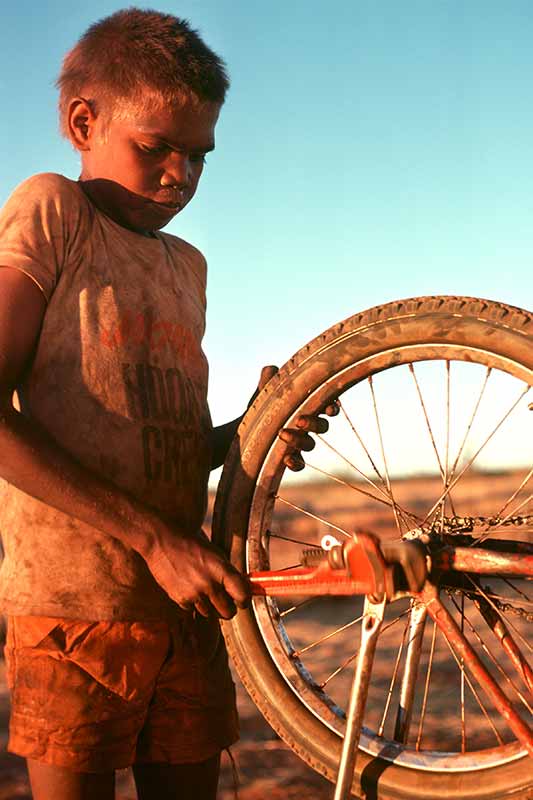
x=431, y=447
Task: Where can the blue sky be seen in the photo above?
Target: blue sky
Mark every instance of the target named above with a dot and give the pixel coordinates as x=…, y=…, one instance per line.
x=368, y=151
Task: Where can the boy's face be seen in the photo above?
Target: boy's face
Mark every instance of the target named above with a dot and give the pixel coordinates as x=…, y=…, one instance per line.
x=142, y=170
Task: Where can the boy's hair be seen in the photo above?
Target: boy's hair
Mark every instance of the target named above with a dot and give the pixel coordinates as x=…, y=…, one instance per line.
x=141, y=58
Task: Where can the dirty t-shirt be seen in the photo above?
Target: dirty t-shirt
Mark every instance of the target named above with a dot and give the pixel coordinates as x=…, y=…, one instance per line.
x=119, y=380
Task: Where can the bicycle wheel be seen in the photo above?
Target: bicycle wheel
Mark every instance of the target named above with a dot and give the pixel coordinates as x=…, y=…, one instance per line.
x=433, y=438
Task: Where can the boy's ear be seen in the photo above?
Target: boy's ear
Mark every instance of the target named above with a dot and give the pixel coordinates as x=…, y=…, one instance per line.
x=80, y=121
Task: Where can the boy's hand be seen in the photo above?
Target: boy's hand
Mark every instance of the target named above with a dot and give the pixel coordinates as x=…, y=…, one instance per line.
x=196, y=575
x=298, y=438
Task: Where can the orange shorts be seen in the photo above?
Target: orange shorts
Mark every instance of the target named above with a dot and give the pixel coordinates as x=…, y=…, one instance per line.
x=100, y=696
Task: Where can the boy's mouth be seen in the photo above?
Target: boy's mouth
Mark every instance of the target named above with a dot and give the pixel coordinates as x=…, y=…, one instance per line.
x=172, y=203
x=169, y=205
x=171, y=198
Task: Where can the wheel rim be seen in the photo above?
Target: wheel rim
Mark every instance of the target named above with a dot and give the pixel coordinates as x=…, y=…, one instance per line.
x=418, y=364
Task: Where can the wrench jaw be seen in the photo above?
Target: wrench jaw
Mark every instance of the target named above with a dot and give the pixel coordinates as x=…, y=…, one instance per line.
x=361, y=566
x=362, y=555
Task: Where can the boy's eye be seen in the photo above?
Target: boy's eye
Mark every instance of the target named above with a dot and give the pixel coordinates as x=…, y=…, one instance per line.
x=161, y=149
x=153, y=149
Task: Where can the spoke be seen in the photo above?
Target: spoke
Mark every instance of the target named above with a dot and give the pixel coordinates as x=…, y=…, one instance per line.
x=387, y=477
x=290, y=539
x=295, y=607
x=388, y=496
x=443, y=470
x=327, y=636
x=500, y=630
x=413, y=518
x=394, y=621
x=447, y=453
x=339, y=669
x=426, y=687
x=510, y=500
x=472, y=689
x=428, y=423
x=393, y=681
x=488, y=532
x=353, y=622
x=471, y=422
x=516, y=589
x=493, y=659
x=313, y=516
x=363, y=445
x=496, y=609
x=476, y=454
x=493, y=596
x=384, y=500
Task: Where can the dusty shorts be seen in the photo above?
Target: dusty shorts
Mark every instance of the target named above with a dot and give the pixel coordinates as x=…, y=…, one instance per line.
x=99, y=696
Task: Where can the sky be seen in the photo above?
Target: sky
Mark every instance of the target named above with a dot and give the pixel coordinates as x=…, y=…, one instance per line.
x=368, y=151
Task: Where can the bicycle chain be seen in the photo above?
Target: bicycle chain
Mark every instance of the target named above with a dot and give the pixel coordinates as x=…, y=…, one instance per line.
x=457, y=526
x=518, y=611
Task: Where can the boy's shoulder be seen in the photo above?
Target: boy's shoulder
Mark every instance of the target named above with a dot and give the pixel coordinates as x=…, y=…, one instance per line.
x=46, y=194
x=49, y=184
x=50, y=180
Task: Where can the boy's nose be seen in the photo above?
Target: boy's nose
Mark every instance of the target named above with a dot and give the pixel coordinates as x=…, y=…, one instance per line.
x=177, y=171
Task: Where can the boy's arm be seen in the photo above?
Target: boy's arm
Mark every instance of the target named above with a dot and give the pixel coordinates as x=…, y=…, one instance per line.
x=223, y=434
x=184, y=563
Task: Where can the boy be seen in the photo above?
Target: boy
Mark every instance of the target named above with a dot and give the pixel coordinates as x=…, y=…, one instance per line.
x=114, y=654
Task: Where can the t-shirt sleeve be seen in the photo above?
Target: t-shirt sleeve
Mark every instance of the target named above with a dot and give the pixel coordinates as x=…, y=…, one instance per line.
x=39, y=226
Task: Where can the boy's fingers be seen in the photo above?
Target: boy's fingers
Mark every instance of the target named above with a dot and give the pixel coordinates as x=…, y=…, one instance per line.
x=223, y=604
x=238, y=588
x=296, y=439
x=294, y=461
x=312, y=423
x=202, y=605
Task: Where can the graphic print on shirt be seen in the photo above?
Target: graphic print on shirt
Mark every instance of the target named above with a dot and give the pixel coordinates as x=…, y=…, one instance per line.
x=166, y=401
x=164, y=398
x=158, y=336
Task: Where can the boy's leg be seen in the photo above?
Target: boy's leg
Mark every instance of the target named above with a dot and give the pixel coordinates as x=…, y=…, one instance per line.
x=191, y=717
x=49, y=782
x=178, y=781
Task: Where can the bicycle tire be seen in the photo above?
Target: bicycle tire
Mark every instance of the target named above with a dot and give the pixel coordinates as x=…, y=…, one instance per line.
x=502, y=334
